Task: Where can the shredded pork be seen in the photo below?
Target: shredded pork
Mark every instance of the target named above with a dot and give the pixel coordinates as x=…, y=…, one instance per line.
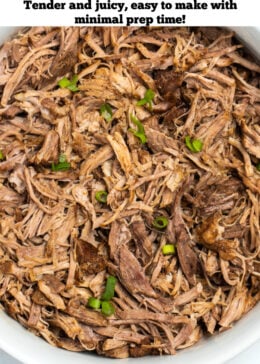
x=58, y=243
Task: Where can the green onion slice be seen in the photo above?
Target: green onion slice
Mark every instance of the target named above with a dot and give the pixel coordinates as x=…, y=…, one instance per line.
x=197, y=145
x=74, y=79
x=2, y=157
x=168, y=249
x=63, y=165
x=70, y=85
x=106, y=112
x=64, y=82
x=107, y=308
x=72, y=88
x=60, y=166
x=258, y=166
x=94, y=303
x=147, y=99
x=101, y=196
x=62, y=158
x=109, y=289
x=139, y=133
x=160, y=222
x=194, y=145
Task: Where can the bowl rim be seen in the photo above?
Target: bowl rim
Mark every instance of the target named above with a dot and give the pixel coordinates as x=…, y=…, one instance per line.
x=219, y=348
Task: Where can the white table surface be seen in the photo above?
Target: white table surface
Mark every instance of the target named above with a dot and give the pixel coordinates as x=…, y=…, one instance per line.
x=249, y=356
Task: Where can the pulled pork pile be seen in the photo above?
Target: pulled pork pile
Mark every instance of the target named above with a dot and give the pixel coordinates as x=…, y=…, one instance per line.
x=187, y=158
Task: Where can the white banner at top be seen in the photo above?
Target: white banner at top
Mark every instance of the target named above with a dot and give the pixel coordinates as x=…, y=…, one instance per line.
x=129, y=12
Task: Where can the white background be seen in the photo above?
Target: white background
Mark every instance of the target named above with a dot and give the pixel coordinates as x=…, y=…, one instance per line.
x=13, y=12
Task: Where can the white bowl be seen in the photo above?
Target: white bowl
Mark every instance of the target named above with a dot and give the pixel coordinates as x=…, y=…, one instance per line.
x=218, y=349
x=29, y=349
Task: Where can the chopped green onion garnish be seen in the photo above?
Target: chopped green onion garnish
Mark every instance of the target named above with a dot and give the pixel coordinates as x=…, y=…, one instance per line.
x=60, y=166
x=94, y=302
x=2, y=157
x=62, y=158
x=63, y=165
x=101, y=196
x=258, y=166
x=64, y=82
x=168, y=249
x=107, y=112
x=107, y=308
x=160, y=222
x=72, y=88
x=70, y=85
x=188, y=143
x=110, y=289
x=147, y=99
x=139, y=133
x=74, y=79
x=194, y=145
x=197, y=145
